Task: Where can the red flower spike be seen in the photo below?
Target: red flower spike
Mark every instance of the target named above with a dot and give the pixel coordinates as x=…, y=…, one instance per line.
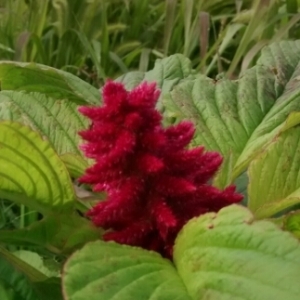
x=173, y=186
x=180, y=135
x=163, y=216
x=154, y=183
x=135, y=234
x=114, y=95
x=149, y=164
x=145, y=95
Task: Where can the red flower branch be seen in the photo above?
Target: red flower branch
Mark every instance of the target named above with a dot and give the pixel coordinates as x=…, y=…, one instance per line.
x=154, y=183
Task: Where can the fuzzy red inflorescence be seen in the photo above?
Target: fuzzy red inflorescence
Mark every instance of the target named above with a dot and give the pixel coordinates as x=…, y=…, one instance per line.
x=154, y=183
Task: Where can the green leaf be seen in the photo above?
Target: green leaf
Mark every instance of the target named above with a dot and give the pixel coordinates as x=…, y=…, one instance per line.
x=109, y=271
x=18, y=275
x=24, y=282
x=49, y=289
x=241, y=184
x=7, y=293
x=36, y=261
x=167, y=72
x=273, y=175
x=56, y=119
x=75, y=164
x=291, y=223
x=222, y=179
x=242, y=116
x=59, y=233
x=31, y=173
x=131, y=79
x=221, y=256
x=57, y=84
x=231, y=256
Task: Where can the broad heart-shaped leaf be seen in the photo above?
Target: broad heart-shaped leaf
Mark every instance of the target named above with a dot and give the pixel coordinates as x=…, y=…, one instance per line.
x=167, y=72
x=56, y=119
x=274, y=176
x=231, y=256
x=46, y=99
x=57, y=84
x=220, y=256
x=109, y=271
x=31, y=173
x=241, y=117
x=58, y=233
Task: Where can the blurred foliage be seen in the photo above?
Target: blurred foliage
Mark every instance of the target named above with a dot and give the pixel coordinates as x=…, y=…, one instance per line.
x=97, y=39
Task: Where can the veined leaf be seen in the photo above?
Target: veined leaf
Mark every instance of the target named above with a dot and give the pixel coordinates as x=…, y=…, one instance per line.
x=291, y=222
x=51, y=82
x=167, y=72
x=109, y=271
x=274, y=176
x=229, y=255
x=57, y=120
x=241, y=117
x=131, y=79
x=36, y=261
x=24, y=281
x=46, y=99
x=217, y=256
x=59, y=233
x=18, y=275
x=76, y=164
x=31, y=173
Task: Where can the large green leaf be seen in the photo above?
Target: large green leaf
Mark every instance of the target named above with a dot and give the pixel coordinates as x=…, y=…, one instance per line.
x=59, y=233
x=291, y=222
x=31, y=173
x=231, y=256
x=18, y=275
x=36, y=261
x=131, y=79
x=46, y=99
x=76, y=164
x=57, y=120
x=57, y=84
x=109, y=271
x=274, y=176
x=167, y=72
x=240, y=117
x=224, y=256
x=24, y=282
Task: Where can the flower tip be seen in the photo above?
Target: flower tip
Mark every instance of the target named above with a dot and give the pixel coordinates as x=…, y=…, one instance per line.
x=235, y=197
x=114, y=93
x=181, y=134
x=84, y=110
x=144, y=95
